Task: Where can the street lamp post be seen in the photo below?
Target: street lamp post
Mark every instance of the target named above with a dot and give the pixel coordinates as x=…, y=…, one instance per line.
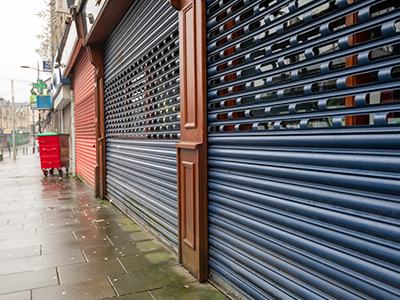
x=26, y=67
x=33, y=129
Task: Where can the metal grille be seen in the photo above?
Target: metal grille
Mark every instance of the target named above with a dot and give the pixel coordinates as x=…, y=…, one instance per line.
x=142, y=114
x=303, y=125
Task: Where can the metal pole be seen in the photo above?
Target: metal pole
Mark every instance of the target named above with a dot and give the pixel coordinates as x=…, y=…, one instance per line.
x=40, y=127
x=13, y=118
x=33, y=130
x=54, y=120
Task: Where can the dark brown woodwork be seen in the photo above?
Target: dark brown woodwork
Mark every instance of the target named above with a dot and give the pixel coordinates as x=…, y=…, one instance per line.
x=74, y=55
x=180, y=4
x=188, y=210
x=108, y=18
x=96, y=58
x=189, y=205
x=80, y=28
x=192, y=149
x=78, y=18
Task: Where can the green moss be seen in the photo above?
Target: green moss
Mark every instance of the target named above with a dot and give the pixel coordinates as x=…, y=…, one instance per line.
x=192, y=291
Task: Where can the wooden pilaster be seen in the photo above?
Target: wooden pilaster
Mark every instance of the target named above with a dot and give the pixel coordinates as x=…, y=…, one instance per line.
x=96, y=58
x=192, y=149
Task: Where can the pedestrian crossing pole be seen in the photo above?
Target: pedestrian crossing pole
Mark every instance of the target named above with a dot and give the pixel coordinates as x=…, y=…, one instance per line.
x=33, y=129
x=13, y=118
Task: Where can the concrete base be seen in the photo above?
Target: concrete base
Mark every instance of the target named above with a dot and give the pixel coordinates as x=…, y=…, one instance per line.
x=226, y=288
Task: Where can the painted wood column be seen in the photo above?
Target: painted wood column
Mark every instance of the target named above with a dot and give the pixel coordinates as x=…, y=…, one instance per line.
x=96, y=58
x=192, y=149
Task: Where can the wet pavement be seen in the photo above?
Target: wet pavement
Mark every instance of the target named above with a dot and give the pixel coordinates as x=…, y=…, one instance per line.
x=58, y=242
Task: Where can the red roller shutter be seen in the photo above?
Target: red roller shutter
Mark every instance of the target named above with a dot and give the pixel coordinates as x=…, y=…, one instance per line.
x=84, y=117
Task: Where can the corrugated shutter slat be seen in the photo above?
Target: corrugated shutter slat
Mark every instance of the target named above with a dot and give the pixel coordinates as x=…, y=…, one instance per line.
x=303, y=133
x=142, y=115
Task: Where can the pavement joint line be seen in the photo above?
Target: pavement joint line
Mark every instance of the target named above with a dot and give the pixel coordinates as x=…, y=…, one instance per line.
x=117, y=258
x=84, y=255
x=58, y=276
x=113, y=287
x=148, y=292
x=110, y=240
x=10, y=293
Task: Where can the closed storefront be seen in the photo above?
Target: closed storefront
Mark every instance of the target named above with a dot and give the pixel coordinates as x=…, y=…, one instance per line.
x=142, y=116
x=85, y=142
x=303, y=156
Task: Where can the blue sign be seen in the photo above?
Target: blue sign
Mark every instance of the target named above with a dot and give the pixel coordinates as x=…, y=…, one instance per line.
x=47, y=67
x=56, y=80
x=43, y=102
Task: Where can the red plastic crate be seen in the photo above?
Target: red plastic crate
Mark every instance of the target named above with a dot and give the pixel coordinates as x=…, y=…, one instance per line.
x=54, y=152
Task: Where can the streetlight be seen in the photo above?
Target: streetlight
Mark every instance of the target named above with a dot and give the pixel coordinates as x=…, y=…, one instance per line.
x=33, y=113
x=26, y=67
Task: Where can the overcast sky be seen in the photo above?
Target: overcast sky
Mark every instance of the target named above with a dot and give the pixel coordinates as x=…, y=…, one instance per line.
x=18, y=27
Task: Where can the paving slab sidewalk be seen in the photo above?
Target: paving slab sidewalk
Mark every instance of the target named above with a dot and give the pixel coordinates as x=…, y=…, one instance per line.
x=58, y=242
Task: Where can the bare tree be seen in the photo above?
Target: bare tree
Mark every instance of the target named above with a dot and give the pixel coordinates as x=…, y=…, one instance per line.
x=51, y=35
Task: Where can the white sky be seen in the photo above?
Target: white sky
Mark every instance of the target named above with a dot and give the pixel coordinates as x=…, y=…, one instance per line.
x=18, y=27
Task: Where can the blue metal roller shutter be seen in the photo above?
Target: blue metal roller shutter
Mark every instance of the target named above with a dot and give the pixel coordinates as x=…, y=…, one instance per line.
x=304, y=139
x=142, y=118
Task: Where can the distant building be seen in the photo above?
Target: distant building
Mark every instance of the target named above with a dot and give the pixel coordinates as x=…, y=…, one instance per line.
x=23, y=115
